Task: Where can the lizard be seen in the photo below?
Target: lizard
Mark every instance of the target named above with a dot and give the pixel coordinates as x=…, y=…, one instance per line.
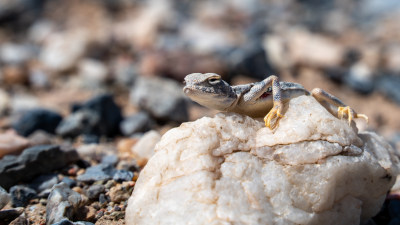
x=259, y=99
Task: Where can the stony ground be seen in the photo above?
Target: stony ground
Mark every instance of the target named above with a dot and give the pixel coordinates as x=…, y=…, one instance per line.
x=83, y=83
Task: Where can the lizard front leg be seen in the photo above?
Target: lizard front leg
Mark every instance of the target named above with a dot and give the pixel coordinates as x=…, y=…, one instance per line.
x=322, y=96
x=259, y=89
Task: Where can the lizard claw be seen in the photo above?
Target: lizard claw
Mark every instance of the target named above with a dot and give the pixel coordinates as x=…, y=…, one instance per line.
x=274, y=113
x=351, y=114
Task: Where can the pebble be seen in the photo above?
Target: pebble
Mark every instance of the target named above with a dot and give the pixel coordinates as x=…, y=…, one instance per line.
x=62, y=203
x=81, y=122
x=37, y=119
x=124, y=145
x=139, y=122
x=125, y=71
x=111, y=160
x=93, y=72
x=34, y=161
x=4, y=198
x=41, y=137
x=144, y=148
x=44, y=182
x=70, y=182
x=122, y=175
x=94, y=191
x=388, y=85
x=38, y=78
x=13, y=53
x=162, y=98
x=68, y=222
x=129, y=165
x=306, y=48
x=360, y=78
x=14, y=75
x=98, y=116
x=21, y=195
x=96, y=173
x=250, y=60
x=12, y=143
x=121, y=192
x=102, y=199
x=109, y=184
x=61, y=51
x=8, y=215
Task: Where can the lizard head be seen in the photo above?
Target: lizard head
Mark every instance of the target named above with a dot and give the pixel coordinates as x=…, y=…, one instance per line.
x=209, y=90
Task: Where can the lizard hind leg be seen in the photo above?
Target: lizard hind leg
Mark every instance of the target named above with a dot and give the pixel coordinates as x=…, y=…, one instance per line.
x=342, y=109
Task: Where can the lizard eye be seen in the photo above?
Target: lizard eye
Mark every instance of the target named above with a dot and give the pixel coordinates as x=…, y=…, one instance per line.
x=213, y=81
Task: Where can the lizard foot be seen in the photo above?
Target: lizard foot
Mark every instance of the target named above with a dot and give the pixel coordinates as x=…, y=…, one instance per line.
x=274, y=113
x=351, y=114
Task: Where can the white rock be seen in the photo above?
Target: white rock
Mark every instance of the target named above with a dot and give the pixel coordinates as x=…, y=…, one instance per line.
x=13, y=53
x=312, y=49
x=61, y=51
x=144, y=148
x=141, y=28
x=93, y=71
x=231, y=169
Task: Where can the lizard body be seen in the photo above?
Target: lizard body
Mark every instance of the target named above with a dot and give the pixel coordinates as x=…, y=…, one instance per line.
x=264, y=98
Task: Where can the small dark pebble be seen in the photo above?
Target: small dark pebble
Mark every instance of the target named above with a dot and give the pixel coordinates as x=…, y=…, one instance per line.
x=21, y=195
x=102, y=199
x=117, y=208
x=37, y=119
x=83, y=163
x=98, y=116
x=250, y=60
x=8, y=215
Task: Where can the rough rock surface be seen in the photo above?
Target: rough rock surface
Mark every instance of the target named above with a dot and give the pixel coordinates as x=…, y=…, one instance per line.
x=230, y=169
x=63, y=203
x=34, y=161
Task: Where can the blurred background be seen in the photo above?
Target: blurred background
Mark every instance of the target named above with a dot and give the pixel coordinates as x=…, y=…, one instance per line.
x=61, y=55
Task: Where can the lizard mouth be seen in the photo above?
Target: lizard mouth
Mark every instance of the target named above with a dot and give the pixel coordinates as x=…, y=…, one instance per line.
x=193, y=88
x=187, y=89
